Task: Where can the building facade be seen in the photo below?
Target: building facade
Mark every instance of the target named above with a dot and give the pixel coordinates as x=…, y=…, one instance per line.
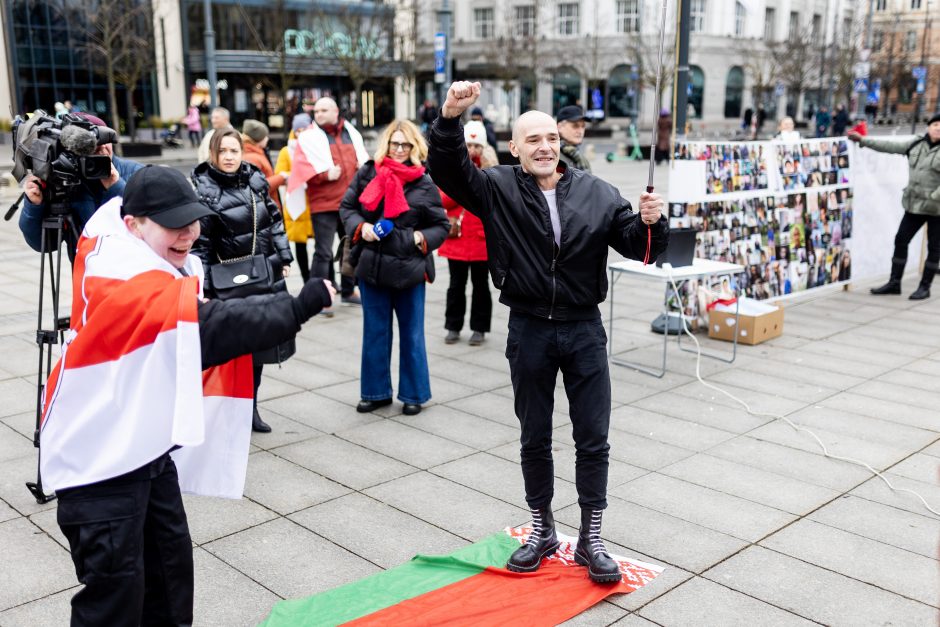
x=48, y=56
x=270, y=56
x=904, y=36
x=602, y=54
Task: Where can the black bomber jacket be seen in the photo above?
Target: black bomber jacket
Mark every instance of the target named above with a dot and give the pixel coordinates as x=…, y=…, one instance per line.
x=535, y=276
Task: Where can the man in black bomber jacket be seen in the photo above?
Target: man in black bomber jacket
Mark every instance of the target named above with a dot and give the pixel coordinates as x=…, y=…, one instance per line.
x=547, y=232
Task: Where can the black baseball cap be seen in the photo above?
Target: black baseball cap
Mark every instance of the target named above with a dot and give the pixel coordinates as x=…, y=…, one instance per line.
x=570, y=113
x=163, y=195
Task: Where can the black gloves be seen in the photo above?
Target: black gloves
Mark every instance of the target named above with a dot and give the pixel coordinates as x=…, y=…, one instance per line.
x=313, y=297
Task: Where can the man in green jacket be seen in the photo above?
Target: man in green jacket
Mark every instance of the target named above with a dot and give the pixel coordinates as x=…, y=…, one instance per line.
x=921, y=202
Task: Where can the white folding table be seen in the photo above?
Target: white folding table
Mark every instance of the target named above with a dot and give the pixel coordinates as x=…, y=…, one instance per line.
x=700, y=268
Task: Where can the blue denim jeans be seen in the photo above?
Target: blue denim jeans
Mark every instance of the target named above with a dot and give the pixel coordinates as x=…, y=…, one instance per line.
x=414, y=381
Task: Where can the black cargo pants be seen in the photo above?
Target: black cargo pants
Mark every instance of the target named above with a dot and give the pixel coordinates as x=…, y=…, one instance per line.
x=131, y=548
x=537, y=349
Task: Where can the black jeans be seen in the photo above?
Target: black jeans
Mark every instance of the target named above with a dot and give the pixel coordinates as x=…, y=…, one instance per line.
x=481, y=305
x=131, y=548
x=325, y=227
x=537, y=349
x=910, y=224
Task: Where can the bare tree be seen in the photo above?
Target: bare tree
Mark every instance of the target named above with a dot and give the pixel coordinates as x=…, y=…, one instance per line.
x=892, y=63
x=798, y=63
x=510, y=54
x=119, y=36
x=762, y=62
x=645, y=56
x=360, y=41
x=408, y=53
x=588, y=56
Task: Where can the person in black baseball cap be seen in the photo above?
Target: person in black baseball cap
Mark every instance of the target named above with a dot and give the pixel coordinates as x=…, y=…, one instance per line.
x=165, y=196
x=161, y=208
x=571, y=130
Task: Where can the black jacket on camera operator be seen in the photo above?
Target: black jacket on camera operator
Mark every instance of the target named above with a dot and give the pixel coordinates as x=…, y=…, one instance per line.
x=89, y=195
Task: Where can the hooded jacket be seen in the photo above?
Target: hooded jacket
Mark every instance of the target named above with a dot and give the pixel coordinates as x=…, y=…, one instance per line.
x=535, y=276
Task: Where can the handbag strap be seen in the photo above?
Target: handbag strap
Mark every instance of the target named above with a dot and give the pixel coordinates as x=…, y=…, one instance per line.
x=254, y=233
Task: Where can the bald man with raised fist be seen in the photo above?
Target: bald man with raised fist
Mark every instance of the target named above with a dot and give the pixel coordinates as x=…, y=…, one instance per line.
x=548, y=228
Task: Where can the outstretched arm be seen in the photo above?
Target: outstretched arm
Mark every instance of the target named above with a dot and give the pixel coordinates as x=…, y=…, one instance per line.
x=449, y=164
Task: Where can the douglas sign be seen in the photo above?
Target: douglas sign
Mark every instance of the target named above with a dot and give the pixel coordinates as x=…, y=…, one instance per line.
x=338, y=45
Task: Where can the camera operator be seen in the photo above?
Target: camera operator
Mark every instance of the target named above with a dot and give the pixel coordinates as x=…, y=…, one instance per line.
x=86, y=198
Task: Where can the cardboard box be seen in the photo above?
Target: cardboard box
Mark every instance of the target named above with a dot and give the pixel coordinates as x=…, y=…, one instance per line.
x=757, y=322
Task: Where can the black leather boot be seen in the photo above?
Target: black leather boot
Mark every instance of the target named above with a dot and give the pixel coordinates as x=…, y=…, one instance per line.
x=542, y=542
x=923, y=290
x=591, y=551
x=893, y=286
x=258, y=425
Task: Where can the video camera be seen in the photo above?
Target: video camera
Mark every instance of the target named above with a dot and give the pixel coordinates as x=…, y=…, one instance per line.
x=60, y=153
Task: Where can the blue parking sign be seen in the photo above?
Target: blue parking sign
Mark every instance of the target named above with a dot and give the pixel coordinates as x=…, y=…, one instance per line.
x=440, y=57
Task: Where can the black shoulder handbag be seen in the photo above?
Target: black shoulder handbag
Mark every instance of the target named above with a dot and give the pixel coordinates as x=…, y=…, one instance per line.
x=243, y=276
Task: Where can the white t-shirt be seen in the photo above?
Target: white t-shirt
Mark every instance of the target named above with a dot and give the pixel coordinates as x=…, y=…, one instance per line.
x=553, y=213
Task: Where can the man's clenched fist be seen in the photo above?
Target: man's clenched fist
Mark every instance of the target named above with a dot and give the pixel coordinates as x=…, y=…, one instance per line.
x=460, y=96
x=651, y=207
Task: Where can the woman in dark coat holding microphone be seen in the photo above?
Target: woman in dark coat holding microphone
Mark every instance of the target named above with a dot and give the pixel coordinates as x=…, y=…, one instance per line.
x=393, y=212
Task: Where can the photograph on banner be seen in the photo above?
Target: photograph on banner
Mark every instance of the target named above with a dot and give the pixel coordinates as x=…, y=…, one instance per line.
x=730, y=167
x=788, y=242
x=813, y=163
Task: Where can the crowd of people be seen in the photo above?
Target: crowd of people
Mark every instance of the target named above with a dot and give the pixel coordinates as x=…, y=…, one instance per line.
x=210, y=255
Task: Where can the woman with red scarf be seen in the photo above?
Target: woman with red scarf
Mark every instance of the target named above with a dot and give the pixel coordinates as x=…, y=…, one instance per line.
x=394, y=213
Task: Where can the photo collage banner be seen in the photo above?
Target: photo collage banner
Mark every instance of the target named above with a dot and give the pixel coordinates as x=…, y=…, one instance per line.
x=782, y=210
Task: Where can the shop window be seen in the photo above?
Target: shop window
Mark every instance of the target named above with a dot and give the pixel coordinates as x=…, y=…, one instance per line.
x=734, y=92
x=566, y=88
x=622, y=92
x=697, y=90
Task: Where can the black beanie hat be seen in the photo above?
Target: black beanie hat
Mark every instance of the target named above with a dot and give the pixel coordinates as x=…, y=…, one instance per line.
x=935, y=118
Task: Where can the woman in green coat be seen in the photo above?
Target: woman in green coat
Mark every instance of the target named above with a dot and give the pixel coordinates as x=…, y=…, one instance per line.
x=921, y=202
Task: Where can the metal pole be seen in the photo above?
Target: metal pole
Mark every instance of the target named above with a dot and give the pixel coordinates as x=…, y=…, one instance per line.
x=659, y=78
x=682, y=66
x=210, y=53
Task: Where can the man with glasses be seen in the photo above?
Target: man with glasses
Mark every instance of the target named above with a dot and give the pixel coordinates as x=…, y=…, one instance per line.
x=332, y=150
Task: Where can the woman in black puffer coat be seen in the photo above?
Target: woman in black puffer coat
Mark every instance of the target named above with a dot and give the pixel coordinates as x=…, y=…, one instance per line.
x=393, y=212
x=237, y=192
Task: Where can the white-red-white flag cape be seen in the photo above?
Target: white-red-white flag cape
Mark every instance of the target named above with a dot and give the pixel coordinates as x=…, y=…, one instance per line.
x=312, y=156
x=129, y=385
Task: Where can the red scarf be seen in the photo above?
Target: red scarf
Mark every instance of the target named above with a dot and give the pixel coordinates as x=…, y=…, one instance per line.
x=388, y=185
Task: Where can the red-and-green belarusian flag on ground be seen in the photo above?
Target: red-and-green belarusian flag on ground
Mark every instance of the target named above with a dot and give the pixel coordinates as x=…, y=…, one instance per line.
x=468, y=587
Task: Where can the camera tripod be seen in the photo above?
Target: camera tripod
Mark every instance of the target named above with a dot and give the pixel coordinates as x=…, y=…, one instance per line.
x=58, y=227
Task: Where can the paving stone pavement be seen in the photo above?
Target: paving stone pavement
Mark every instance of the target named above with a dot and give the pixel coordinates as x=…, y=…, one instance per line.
x=751, y=522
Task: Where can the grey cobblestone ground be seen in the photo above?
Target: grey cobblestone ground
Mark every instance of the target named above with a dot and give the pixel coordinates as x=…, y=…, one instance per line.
x=752, y=523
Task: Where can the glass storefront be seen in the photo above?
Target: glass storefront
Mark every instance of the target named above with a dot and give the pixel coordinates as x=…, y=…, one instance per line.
x=270, y=57
x=49, y=63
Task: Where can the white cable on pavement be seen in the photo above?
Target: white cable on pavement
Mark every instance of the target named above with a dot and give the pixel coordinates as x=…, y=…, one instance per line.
x=698, y=375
